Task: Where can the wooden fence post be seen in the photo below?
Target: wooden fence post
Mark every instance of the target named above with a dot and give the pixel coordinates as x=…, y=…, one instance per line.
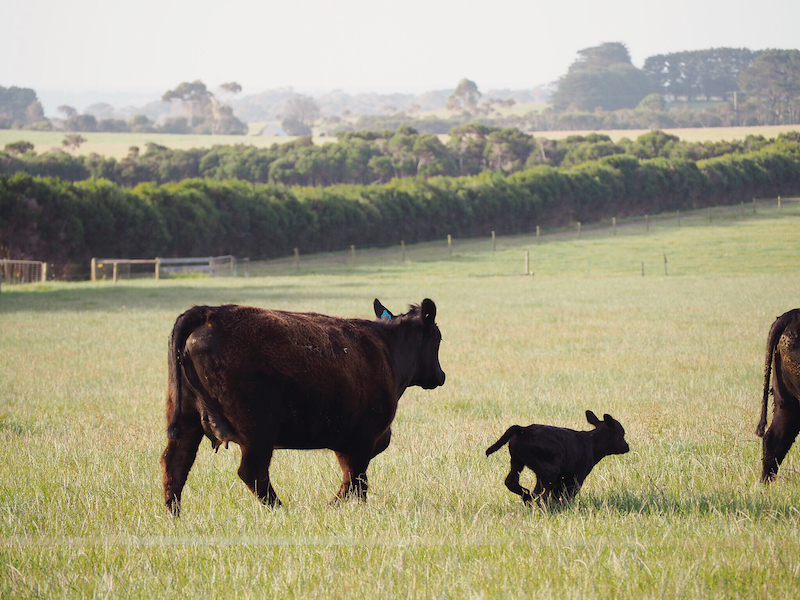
x=527, y=262
x=114, y=272
x=158, y=268
x=579, y=230
x=665, y=264
x=297, y=259
x=44, y=272
x=450, y=245
x=537, y=235
x=614, y=224
x=93, y=270
x=494, y=241
x=352, y=252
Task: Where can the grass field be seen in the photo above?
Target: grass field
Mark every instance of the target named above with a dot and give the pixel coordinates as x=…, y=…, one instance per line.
x=117, y=145
x=677, y=358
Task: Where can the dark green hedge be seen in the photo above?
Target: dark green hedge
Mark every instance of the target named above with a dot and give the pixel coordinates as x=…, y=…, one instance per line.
x=51, y=219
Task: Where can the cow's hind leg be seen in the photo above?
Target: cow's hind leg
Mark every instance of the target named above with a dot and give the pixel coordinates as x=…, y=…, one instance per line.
x=512, y=480
x=778, y=439
x=354, y=476
x=254, y=471
x=177, y=459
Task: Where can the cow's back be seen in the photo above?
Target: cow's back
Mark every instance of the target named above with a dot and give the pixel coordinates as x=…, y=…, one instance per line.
x=318, y=376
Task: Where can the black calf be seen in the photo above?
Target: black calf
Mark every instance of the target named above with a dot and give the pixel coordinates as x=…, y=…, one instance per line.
x=560, y=457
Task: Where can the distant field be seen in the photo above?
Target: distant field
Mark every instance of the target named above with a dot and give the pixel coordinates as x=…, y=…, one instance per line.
x=677, y=358
x=117, y=145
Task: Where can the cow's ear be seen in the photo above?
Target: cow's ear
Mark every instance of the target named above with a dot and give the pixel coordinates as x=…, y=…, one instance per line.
x=428, y=312
x=381, y=311
x=592, y=418
x=609, y=420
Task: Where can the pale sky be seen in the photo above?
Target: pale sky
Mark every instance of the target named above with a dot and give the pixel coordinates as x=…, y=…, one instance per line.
x=356, y=45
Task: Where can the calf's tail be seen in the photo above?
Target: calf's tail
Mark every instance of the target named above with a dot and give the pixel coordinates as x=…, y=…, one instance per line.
x=184, y=326
x=775, y=333
x=510, y=432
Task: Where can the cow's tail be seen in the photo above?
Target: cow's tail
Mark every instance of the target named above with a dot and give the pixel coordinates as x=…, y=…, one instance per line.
x=510, y=432
x=184, y=326
x=775, y=333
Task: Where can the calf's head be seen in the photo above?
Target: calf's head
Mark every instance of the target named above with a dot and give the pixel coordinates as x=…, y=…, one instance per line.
x=609, y=435
x=421, y=319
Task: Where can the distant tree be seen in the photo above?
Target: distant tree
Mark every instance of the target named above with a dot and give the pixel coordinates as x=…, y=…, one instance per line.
x=73, y=141
x=176, y=125
x=194, y=97
x=17, y=148
x=34, y=113
x=14, y=102
x=67, y=111
x=231, y=88
x=652, y=102
x=465, y=96
x=299, y=114
x=712, y=72
x=140, y=124
x=774, y=78
x=112, y=125
x=81, y=123
x=602, y=77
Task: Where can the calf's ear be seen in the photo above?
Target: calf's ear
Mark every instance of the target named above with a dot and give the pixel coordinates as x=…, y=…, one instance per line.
x=381, y=311
x=592, y=418
x=609, y=420
x=428, y=312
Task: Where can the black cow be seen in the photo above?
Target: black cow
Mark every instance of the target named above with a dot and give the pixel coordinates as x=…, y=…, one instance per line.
x=560, y=457
x=268, y=379
x=783, y=357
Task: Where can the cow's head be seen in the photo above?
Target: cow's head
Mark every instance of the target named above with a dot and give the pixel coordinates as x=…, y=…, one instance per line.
x=609, y=434
x=427, y=373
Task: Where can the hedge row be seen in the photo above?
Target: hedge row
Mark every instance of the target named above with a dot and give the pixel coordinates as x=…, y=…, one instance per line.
x=50, y=219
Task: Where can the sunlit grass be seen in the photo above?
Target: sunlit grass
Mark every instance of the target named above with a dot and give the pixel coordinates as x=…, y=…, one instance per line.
x=676, y=358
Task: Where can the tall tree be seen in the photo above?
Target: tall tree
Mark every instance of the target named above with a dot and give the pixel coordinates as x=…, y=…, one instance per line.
x=14, y=101
x=194, y=97
x=465, y=96
x=712, y=72
x=774, y=78
x=602, y=77
x=299, y=114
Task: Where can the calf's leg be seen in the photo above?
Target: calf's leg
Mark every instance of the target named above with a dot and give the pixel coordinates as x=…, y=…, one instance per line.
x=512, y=480
x=176, y=461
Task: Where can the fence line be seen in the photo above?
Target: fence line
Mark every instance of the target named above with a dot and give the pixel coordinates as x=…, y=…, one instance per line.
x=214, y=266
x=22, y=271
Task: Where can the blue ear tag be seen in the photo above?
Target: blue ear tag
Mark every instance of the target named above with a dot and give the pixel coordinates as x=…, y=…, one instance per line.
x=386, y=315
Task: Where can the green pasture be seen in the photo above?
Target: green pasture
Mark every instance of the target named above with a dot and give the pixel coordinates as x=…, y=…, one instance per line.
x=677, y=358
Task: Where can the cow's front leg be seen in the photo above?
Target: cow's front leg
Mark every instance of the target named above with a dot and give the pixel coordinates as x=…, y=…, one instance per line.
x=254, y=471
x=354, y=476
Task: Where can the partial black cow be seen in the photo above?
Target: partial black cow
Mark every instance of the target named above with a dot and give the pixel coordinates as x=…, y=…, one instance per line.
x=560, y=457
x=268, y=379
x=783, y=365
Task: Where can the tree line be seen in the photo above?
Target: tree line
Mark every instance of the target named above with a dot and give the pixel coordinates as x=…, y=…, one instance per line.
x=52, y=219
x=362, y=157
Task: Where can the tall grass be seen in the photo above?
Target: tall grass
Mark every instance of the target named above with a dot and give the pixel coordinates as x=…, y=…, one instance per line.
x=677, y=359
